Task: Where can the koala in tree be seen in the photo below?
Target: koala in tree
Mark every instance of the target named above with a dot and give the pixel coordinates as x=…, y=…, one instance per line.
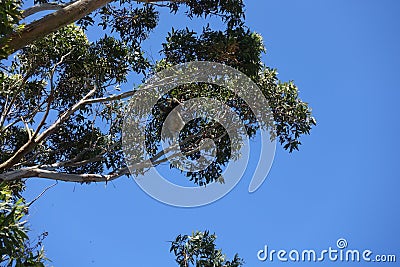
x=174, y=122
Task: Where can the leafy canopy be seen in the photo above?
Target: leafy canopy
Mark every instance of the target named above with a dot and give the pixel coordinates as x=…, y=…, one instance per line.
x=61, y=105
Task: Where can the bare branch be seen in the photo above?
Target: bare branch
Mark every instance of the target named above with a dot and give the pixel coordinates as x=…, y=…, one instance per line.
x=42, y=7
x=50, y=98
x=27, y=128
x=160, y=82
x=30, y=172
x=109, y=98
x=41, y=194
x=65, y=116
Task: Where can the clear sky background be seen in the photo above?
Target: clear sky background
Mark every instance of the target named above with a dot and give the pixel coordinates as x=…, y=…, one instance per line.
x=344, y=182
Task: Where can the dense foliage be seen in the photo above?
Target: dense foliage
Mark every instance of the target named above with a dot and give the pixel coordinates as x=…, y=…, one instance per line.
x=10, y=14
x=199, y=250
x=15, y=247
x=61, y=105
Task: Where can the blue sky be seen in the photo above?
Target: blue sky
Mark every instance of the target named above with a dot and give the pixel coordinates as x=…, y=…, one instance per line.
x=344, y=57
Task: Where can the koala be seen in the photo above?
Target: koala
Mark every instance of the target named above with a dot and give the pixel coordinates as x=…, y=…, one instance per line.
x=174, y=123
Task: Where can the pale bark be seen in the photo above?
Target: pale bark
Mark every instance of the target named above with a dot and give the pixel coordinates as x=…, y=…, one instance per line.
x=41, y=7
x=52, y=22
x=30, y=172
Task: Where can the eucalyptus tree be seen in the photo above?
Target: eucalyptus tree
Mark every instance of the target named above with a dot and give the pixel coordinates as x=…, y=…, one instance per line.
x=61, y=110
x=61, y=104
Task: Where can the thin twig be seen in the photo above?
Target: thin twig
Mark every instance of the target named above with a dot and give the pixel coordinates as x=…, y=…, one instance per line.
x=27, y=128
x=41, y=194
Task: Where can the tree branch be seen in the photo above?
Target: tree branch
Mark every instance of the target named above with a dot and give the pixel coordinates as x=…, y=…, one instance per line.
x=31, y=144
x=52, y=22
x=49, y=172
x=41, y=194
x=6, y=109
x=35, y=171
x=50, y=98
x=42, y=7
x=49, y=24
